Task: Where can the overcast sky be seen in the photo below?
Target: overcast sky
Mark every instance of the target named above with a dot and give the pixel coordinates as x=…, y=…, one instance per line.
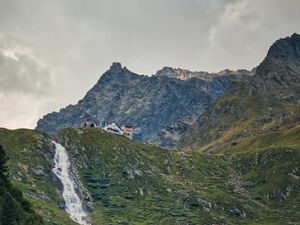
x=52, y=52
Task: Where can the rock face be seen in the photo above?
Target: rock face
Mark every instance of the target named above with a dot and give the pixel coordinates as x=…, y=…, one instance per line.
x=159, y=107
x=268, y=101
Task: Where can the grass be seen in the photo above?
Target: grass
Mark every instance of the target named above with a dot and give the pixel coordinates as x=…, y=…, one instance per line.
x=134, y=183
x=251, y=181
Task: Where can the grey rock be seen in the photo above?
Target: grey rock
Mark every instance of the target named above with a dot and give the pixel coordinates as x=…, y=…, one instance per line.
x=238, y=212
x=247, y=184
x=39, y=170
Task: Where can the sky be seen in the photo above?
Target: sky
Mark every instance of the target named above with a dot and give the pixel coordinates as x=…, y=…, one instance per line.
x=53, y=51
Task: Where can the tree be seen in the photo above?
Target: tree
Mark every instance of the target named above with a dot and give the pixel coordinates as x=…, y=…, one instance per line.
x=3, y=167
x=14, y=208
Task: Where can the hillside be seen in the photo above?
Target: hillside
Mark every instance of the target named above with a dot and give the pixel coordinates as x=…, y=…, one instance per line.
x=14, y=209
x=268, y=165
x=31, y=162
x=160, y=107
x=268, y=101
x=133, y=183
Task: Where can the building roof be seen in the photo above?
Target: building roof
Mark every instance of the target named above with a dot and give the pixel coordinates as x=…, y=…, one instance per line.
x=116, y=124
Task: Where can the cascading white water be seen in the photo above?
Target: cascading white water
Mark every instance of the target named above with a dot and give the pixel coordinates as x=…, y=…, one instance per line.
x=62, y=169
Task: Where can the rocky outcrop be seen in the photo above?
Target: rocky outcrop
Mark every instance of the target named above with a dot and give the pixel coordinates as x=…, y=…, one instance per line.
x=160, y=107
x=183, y=74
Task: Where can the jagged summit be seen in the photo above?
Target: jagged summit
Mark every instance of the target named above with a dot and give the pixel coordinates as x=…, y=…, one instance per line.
x=284, y=54
x=183, y=74
x=116, y=66
x=286, y=48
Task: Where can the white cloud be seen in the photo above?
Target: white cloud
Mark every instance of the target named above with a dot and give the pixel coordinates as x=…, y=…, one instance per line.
x=24, y=84
x=19, y=111
x=20, y=71
x=245, y=29
x=235, y=19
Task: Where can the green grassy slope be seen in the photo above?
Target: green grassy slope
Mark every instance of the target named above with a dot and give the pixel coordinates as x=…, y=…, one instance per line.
x=272, y=176
x=268, y=166
x=289, y=137
x=133, y=183
x=31, y=166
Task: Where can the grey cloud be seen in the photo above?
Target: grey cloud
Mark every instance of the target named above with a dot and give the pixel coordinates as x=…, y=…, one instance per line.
x=20, y=72
x=245, y=29
x=79, y=39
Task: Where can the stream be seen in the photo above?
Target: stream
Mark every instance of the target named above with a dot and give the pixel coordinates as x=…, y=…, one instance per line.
x=62, y=169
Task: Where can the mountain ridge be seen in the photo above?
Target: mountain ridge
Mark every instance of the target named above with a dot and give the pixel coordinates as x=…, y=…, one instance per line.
x=160, y=107
x=183, y=74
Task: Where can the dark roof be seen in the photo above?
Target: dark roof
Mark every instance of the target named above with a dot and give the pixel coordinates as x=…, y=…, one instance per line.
x=116, y=124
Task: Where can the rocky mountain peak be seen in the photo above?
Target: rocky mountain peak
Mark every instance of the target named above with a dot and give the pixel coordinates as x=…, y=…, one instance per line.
x=286, y=48
x=116, y=73
x=116, y=66
x=295, y=36
x=283, y=56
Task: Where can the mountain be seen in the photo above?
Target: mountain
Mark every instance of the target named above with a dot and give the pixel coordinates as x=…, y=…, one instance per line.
x=239, y=165
x=160, y=107
x=266, y=102
x=134, y=183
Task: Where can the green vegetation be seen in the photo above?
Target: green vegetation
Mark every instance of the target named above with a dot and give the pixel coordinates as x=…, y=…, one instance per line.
x=30, y=165
x=288, y=138
x=14, y=209
x=134, y=183
x=254, y=180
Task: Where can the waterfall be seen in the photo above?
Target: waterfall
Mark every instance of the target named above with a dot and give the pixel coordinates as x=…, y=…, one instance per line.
x=62, y=169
